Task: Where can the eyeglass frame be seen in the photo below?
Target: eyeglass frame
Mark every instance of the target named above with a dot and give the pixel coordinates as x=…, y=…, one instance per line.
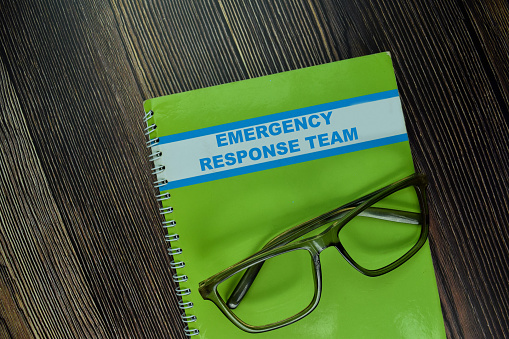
x=284, y=243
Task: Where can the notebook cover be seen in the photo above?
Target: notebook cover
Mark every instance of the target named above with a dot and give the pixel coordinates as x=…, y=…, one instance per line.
x=230, y=195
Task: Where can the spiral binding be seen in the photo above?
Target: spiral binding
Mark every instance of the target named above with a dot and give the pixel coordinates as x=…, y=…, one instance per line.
x=171, y=238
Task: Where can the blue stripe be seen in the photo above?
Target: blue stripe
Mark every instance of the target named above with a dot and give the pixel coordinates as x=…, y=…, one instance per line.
x=285, y=162
x=278, y=116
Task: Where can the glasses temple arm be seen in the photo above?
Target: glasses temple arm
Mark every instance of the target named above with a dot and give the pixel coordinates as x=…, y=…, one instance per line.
x=404, y=217
x=288, y=236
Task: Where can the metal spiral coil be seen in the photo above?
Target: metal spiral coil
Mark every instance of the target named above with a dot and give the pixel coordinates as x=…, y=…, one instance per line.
x=154, y=156
x=184, y=305
x=158, y=169
x=166, y=210
x=188, y=318
x=178, y=264
x=171, y=238
x=182, y=291
x=168, y=224
x=174, y=251
x=191, y=332
x=150, y=129
x=160, y=183
x=152, y=142
x=180, y=278
x=162, y=197
x=148, y=115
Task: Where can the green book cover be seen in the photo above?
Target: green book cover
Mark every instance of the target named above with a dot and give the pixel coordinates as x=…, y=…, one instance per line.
x=239, y=163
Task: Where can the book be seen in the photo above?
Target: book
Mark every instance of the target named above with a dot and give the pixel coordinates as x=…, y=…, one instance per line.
x=237, y=164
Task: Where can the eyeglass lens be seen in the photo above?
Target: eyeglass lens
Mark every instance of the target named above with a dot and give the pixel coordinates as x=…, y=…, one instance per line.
x=375, y=242
x=283, y=288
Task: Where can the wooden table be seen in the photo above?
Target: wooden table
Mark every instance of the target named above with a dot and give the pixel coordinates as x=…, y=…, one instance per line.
x=82, y=253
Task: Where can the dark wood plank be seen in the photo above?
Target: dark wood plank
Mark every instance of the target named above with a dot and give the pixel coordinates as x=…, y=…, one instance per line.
x=82, y=109
x=41, y=274
x=12, y=321
x=489, y=24
x=178, y=46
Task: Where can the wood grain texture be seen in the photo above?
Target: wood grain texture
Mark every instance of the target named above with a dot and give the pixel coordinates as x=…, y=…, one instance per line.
x=80, y=238
x=178, y=47
x=81, y=107
x=36, y=248
x=13, y=323
x=488, y=21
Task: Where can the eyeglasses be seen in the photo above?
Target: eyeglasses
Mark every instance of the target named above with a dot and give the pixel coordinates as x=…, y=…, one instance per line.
x=282, y=283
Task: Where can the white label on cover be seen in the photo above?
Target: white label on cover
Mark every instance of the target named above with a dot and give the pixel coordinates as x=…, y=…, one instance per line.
x=281, y=139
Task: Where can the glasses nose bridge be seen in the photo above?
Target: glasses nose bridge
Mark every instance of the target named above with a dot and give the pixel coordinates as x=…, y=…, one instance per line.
x=330, y=239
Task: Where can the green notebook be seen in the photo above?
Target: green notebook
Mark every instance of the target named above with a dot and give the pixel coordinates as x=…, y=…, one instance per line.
x=239, y=163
